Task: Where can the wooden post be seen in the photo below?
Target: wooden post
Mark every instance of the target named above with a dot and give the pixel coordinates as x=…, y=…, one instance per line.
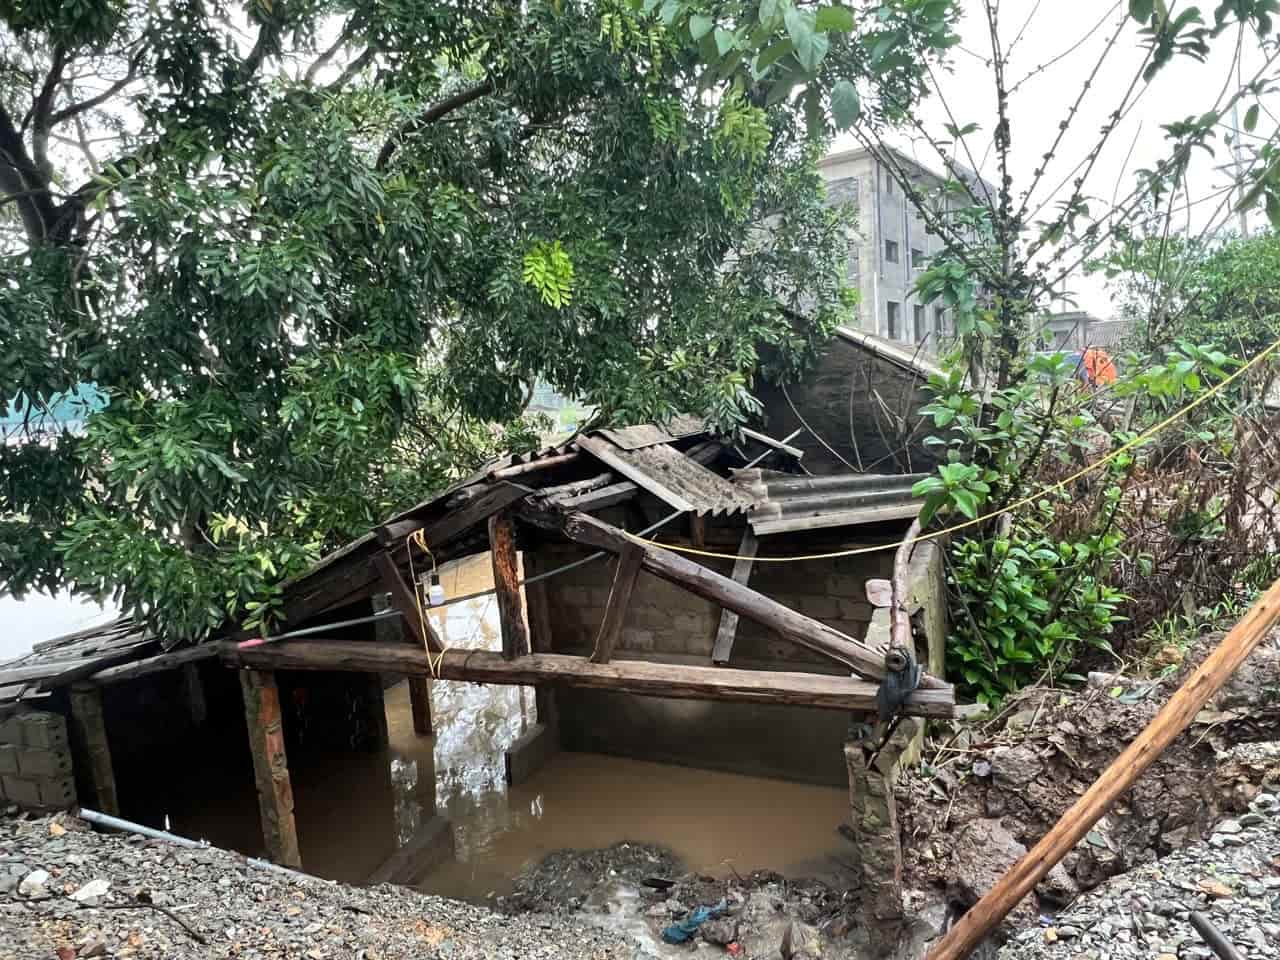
x=420, y=702
x=506, y=582
x=540, y=641
x=1164, y=728
x=270, y=766
x=90, y=730
x=728, y=629
x=615, y=611
x=194, y=688
x=698, y=531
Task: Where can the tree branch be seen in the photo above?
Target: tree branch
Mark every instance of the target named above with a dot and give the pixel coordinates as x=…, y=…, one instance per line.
x=41, y=113
x=432, y=114
x=66, y=113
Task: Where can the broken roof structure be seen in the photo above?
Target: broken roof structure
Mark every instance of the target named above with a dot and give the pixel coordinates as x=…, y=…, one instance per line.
x=554, y=493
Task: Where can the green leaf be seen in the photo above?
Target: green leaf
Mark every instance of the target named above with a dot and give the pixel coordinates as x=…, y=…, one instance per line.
x=700, y=26
x=769, y=10
x=846, y=107
x=966, y=502
x=1140, y=10
x=724, y=40
x=810, y=46
x=833, y=18
x=1251, y=118
x=773, y=53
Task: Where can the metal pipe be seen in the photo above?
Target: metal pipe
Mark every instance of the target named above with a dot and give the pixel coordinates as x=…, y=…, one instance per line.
x=1213, y=937
x=117, y=823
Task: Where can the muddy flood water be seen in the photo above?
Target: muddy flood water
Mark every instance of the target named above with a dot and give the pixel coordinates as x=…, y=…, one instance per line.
x=714, y=822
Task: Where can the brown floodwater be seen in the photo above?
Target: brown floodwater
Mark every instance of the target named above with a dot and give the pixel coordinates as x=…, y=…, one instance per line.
x=714, y=822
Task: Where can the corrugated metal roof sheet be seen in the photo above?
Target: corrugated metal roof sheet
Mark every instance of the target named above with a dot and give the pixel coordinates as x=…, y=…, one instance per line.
x=671, y=476
x=648, y=434
x=786, y=503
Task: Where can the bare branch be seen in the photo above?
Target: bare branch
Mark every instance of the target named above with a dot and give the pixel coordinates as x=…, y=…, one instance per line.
x=42, y=110
x=66, y=113
x=328, y=55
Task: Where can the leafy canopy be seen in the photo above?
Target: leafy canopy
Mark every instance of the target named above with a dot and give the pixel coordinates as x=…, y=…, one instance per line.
x=316, y=254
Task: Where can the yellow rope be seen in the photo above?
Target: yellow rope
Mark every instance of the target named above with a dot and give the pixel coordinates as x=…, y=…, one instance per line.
x=419, y=539
x=1098, y=465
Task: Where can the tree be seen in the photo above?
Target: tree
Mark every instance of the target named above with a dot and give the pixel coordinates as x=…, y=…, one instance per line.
x=312, y=252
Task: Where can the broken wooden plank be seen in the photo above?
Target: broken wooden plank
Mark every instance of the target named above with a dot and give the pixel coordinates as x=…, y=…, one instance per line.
x=640, y=677
x=728, y=628
x=404, y=598
x=706, y=583
x=506, y=584
x=270, y=765
x=615, y=611
x=599, y=499
x=1114, y=782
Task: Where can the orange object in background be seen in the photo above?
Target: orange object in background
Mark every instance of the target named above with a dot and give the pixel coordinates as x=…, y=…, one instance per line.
x=1098, y=366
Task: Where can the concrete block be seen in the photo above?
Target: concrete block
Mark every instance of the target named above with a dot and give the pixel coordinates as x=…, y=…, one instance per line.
x=57, y=793
x=34, y=762
x=25, y=793
x=45, y=730
x=529, y=753
x=8, y=758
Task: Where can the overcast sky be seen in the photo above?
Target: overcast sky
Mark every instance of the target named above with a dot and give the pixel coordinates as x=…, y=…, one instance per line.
x=1048, y=29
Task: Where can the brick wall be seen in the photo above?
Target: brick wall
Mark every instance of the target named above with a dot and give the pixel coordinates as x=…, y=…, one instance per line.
x=665, y=622
x=663, y=618
x=35, y=761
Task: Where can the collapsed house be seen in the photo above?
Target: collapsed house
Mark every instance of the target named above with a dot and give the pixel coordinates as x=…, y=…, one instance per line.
x=640, y=593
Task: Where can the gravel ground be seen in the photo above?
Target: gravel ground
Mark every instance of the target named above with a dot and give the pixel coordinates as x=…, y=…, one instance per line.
x=1233, y=878
x=165, y=901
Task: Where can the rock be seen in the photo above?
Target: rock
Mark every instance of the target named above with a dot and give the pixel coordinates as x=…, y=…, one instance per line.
x=33, y=884
x=1217, y=889
x=1228, y=826
x=720, y=932
x=983, y=852
x=799, y=942
x=92, y=947
x=92, y=892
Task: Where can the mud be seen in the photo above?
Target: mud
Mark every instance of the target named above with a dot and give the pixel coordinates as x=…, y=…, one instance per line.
x=985, y=793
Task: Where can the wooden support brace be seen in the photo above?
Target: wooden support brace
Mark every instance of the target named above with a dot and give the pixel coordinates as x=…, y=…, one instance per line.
x=89, y=728
x=698, y=531
x=1163, y=729
x=728, y=629
x=706, y=583
x=615, y=612
x=405, y=600
x=506, y=582
x=270, y=766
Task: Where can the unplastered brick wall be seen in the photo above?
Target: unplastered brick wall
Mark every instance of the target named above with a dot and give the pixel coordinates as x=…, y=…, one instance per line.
x=35, y=761
x=664, y=618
